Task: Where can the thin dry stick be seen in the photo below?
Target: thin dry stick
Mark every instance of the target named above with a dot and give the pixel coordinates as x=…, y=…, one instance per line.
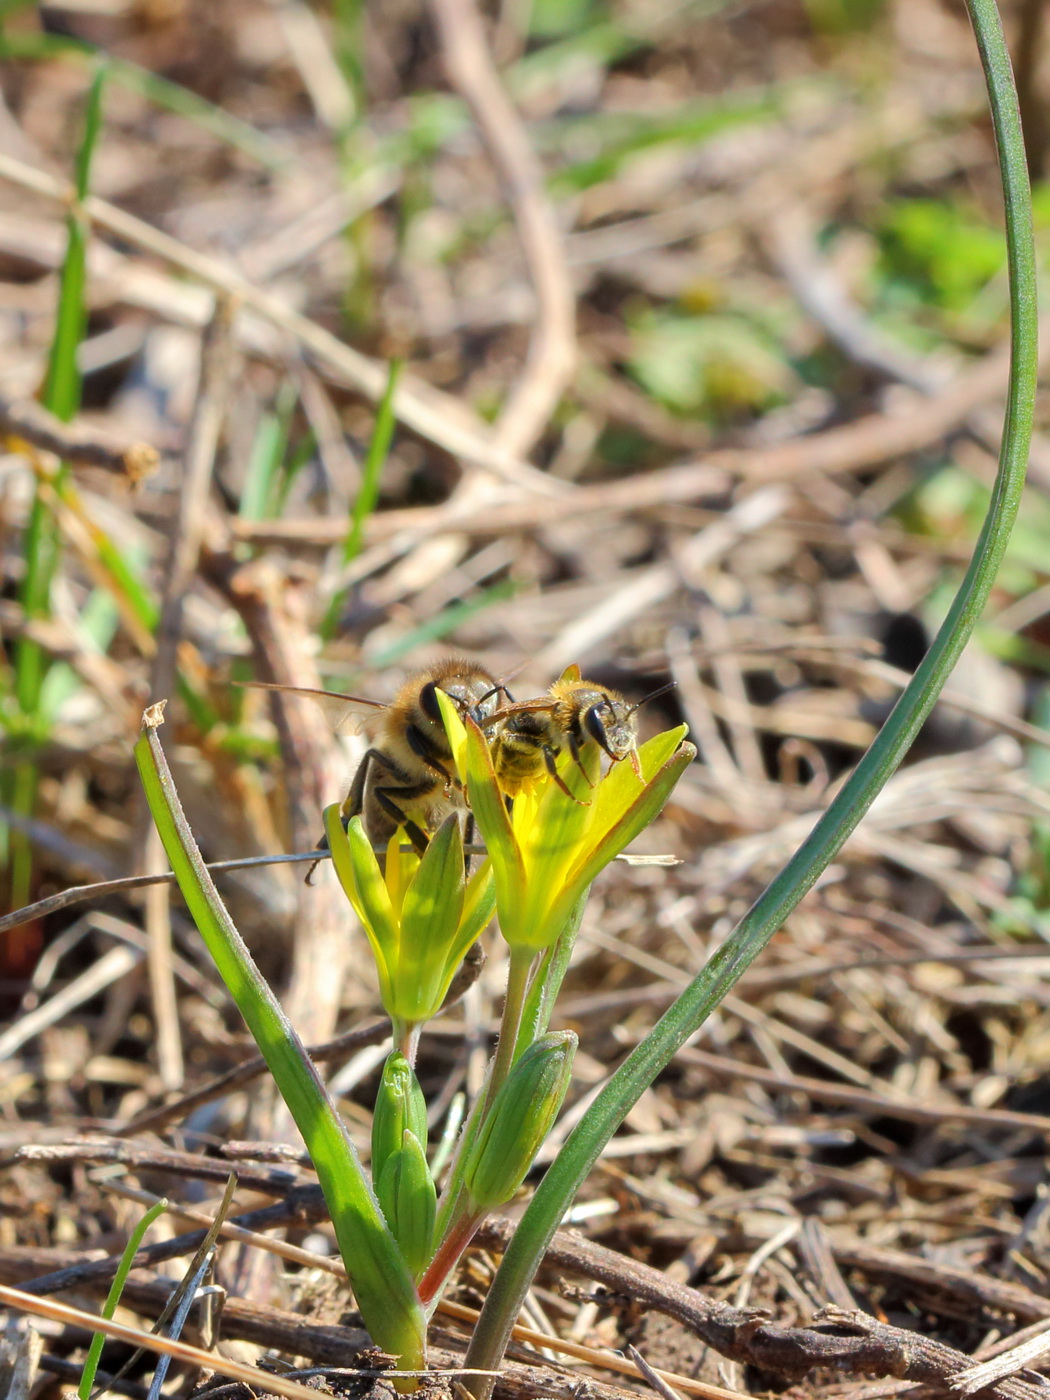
x=714, y=633
x=703, y=728
x=340, y=1048
x=853, y=1344
x=427, y=411
x=201, y=447
x=950, y=698
x=117, y=963
x=650, y=586
x=867, y=442
x=552, y=352
x=63, y=1314
x=866, y=1102
x=75, y=442
x=552, y=346
x=594, y=1356
x=1006, y=1364
x=80, y=894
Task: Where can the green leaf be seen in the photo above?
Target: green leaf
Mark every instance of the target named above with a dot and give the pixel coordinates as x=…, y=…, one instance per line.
x=382, y=1284
x=116, y=1288
x=584, y=1144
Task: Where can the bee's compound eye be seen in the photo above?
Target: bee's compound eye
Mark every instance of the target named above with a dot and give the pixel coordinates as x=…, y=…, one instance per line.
x=428, y=702
x=592, y=723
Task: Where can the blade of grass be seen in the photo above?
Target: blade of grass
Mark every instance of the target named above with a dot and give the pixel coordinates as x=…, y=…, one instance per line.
x=267, y=453
x=87, y=1376
x=184, y=1293
x=365, y=504
x=62, y=396
x=585, y=1143
x=444, y=622
x=169, y=96
x=382, y=1284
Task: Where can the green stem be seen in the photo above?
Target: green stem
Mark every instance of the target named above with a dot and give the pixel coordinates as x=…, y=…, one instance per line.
x=521, y=961
x=545, y=986
x=454, y=1229
x=584, y=1145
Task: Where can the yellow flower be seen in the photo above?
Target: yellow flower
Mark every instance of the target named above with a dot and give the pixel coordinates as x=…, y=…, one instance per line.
x=548, y=849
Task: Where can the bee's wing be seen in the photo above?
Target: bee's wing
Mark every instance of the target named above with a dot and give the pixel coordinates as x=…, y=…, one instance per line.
x=571, y=673
x=347, y=714
x=518, y=707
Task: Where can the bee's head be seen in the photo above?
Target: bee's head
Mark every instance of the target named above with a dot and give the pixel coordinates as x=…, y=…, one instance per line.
x=473, y=693
x=613, y=726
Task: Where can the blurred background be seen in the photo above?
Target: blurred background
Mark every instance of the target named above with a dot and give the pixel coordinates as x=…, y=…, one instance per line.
x=697, y=314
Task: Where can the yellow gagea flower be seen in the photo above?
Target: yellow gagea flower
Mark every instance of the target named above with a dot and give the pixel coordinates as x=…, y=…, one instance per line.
x=560, y=835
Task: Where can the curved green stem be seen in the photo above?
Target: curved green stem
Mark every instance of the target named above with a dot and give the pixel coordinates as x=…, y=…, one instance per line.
x=584, y=1145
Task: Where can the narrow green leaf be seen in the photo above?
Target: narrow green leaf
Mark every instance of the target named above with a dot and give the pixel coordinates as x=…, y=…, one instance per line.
x=584, y=1144
x=368, y=492
x=381, y=1282
x=61, y=394
x=160, y=91
x=116, y=1288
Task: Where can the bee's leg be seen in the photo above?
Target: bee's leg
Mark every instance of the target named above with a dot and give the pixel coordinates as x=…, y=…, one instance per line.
x=574, y=749
x=354, y=803
x=418, y=744
x=549, y=757
x=385, y=798
x=468, y=974
x=468, y=840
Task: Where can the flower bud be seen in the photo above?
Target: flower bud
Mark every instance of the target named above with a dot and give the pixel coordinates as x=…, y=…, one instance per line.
x=400, y=1107
x=520, y=1119
x=408, y=1197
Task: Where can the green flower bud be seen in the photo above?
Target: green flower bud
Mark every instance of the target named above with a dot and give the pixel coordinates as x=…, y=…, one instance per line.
x=520, y=1119
x=408, y=1196
x=400, y=1107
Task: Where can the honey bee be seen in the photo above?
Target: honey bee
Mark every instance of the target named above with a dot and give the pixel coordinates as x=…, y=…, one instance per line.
x=528, y=736
x=406, y=777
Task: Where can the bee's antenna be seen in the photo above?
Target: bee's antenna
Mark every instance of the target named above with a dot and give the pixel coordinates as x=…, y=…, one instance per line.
x=653, y=694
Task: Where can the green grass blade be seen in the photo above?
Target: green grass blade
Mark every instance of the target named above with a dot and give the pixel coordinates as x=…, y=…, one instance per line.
x=368, y=495
x=269, y=446
x=583, y=1146
x=61, y=395
x=444, y=622
x=169, y=96
x=378, y=1274
x=87, y=1376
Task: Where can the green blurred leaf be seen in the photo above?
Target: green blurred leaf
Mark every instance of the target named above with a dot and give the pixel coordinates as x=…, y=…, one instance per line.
x=707, y=365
